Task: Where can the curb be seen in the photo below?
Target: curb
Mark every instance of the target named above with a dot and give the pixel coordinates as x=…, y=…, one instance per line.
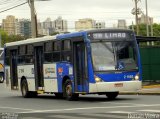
x=151, y=86
x=140, y=93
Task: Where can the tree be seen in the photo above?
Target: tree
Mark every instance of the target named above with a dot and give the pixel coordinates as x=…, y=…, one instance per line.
x=9, y=38
x=4, y=37
x=142, y=29
x=156, y=29
x=54, y=33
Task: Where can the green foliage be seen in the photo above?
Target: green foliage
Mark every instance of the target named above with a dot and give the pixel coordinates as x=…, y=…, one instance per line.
x=142, y=29
x=156, y=29
x=9, y=38
x=4, y=37
x=54, y=33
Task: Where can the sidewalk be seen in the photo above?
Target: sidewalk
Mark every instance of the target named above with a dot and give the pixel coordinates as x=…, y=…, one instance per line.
x=146, y=90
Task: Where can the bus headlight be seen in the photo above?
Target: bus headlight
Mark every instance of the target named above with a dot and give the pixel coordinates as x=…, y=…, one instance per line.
x=97, y=79
x=136, y=77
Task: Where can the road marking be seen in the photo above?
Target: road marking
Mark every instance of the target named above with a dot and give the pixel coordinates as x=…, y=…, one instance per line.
x=16, y=108
x=124, y=103
x=120, y=112
x=30, y=118
x=88, y=108
x=150, y=111
x=104, y=116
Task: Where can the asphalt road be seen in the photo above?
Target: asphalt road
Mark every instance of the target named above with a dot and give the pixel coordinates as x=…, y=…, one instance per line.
x=13, y=106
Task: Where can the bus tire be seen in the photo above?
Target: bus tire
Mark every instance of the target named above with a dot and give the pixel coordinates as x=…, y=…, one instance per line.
x=112, y=95
x=1, y=78
x=24, y=89
x=67, y=89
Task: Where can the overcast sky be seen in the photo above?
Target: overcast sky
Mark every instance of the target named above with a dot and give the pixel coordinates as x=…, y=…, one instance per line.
x=108, y=11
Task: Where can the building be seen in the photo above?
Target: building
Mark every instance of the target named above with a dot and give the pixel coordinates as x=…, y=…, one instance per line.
x=60, y=25
x=85, y=24
x=143, y=19
x=100, y=25
x=25, y=28
x=122, y=24
x=48, y=26
x=9, y=25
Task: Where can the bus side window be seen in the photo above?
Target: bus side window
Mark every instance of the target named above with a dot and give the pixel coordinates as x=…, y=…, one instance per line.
x=21, y=54
x=57, y=51
x=48, y=49
x=66, y=50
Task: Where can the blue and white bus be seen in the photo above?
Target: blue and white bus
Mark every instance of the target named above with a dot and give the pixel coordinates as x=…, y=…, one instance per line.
x=102, y=62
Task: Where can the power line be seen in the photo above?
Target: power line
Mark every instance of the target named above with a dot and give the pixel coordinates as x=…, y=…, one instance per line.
x=13, y=7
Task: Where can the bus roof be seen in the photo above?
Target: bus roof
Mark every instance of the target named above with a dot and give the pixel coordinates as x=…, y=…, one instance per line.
x=82, y=33
x=30, y=41
x=69, y=35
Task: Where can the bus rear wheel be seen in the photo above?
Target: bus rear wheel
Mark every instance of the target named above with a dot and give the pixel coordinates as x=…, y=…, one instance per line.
x=67, y=89
x=112, y=95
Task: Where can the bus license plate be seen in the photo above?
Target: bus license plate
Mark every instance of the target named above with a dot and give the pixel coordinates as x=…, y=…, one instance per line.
x=118, y=84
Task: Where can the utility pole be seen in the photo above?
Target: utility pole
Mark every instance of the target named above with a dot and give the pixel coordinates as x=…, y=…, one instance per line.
x=136, y=18
x=33, y=19
x=136, y=11
x=147, y=27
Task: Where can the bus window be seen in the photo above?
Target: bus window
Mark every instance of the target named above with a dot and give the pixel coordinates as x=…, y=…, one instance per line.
x=66, y=52
x=57, y=51
x=48, y=52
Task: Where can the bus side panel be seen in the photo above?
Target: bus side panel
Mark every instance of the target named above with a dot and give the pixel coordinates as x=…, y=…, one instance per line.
x=50, y=78
x=64, y=69
x=7, y=77
x=28, y=72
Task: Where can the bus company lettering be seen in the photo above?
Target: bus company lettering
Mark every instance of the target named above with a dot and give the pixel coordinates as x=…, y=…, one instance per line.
x=49, y=70
x=115, y=35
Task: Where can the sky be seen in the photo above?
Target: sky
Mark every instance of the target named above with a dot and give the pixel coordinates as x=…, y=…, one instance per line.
x=108, y=11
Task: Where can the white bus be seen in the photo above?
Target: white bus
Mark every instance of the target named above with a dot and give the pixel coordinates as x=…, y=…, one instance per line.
x=102, y=62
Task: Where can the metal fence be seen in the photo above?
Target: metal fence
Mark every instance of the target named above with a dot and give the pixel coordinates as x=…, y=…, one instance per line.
x=150, y=58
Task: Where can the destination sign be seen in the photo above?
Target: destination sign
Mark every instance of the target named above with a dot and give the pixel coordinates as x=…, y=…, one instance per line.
x=110, y=35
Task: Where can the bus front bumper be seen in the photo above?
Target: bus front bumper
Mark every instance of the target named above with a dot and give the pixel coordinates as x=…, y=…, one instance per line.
x=125, y=86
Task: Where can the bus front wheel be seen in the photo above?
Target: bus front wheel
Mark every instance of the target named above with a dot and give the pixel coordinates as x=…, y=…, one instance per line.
x=112, y=95
x=67, y=89
x=24, y=89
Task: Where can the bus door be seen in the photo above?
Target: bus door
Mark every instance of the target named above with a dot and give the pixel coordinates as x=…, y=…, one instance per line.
x=13, y=69
x=38, y=67
x=80, y=67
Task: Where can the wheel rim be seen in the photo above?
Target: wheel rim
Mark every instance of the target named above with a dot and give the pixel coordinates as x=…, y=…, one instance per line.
x=24, y=90
x=1, y=79
x=69, y=90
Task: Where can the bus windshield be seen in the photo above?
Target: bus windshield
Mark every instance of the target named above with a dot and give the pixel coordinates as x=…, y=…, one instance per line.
x=114, y=55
